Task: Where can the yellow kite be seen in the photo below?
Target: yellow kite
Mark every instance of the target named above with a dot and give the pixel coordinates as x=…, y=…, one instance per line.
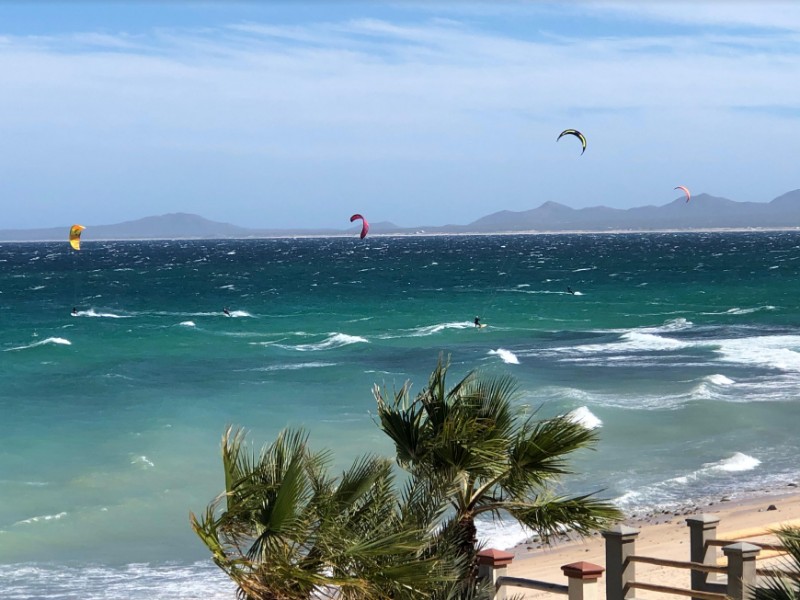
x=75, y=236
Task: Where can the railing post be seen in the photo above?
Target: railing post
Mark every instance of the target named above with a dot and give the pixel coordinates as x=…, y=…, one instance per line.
x=620, y=544
x=492, y=565
x=741, y=569
x=582, y=580
x=702, y=529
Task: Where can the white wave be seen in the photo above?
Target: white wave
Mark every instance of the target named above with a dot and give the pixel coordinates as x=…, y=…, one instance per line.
x=134, y=581
x=584, y=269
x=709, y=388
x=230, y=286
x=718, y=379
x=188, y=323
x=747, y=311
x=37, y=288
x=429, y=329
x=42, y=518
x=142, y=461
x=239, y=314
x=296, y=366
x=635, y=341
x=577, y=293
x=771, y=352
x=584, y=416
x=677, y=324
x=506, y=356
x=733, y=464
x=500, y=534
x=51, y=340
x=334, y=340
x=92, y=313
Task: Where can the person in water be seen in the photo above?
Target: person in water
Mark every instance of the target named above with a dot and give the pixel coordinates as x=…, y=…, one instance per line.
x=226, y=311
x=569, y=289
x=477, y=321
x=74, y=312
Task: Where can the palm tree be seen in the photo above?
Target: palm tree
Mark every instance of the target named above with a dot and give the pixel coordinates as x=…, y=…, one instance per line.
x=485, y=457
x=786, y=587
x=285, y=530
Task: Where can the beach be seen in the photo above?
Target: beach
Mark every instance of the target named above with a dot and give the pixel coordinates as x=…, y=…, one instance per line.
x=663, y=536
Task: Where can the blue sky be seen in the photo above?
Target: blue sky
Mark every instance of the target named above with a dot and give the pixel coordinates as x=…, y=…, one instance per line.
x=298, y=114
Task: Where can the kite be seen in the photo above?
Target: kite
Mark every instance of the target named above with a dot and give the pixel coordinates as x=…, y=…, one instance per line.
x=685, y=191
x=364, y=226
x=577, y=134
x=75, y=236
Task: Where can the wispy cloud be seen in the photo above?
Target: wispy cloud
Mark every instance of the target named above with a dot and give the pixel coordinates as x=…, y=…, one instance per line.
x=424, y=92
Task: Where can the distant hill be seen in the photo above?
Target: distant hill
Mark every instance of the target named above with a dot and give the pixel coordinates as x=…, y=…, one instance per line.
x=702, y=212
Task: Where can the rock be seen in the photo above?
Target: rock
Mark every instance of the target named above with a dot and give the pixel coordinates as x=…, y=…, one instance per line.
x=772, y=507
x=725, y=499
x=791, y=485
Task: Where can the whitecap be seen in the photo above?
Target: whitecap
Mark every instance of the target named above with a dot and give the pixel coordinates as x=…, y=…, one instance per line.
x=240, y=314
x=733, y=464
x=506, y=356
x=718, y=379
x=584, y=416
x=501, y=534
x=51, y=340
x=334, y=340
x=188, y=323
x=429, y=329
x=142, y=461
x=42, y=518
x=770, y=352
x=296, y=366
x=92, y=313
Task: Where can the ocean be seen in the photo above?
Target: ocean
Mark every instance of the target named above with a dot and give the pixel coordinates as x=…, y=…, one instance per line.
x=683, y=349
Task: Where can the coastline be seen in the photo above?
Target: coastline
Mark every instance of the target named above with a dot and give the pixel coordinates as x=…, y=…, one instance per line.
x=663, y=534
x=402, y=234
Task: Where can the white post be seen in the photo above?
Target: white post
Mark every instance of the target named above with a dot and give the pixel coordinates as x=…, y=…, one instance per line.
x=582, y=577
x=492, y=565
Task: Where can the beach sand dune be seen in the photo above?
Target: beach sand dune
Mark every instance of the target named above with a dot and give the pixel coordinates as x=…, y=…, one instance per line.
x=665, y=536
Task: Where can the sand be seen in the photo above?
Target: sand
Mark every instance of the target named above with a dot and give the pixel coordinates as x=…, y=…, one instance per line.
x=662, y=535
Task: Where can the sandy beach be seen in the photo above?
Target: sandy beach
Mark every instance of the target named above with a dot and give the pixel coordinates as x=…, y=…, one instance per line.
x=662, y=535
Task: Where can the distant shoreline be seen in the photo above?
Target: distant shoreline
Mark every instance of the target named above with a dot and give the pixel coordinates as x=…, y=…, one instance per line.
x=424, y=234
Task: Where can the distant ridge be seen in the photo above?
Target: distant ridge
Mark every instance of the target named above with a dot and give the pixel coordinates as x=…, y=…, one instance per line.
x=702, y=212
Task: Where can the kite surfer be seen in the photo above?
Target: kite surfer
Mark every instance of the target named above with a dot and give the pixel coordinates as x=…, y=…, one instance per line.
x=74, y=312
x=570, y=290
x=226, y=311
x=477, y=321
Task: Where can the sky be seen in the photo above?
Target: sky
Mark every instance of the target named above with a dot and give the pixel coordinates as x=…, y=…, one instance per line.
x=299, y=114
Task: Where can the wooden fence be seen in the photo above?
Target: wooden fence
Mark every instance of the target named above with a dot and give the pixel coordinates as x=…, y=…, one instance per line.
x=740, y=574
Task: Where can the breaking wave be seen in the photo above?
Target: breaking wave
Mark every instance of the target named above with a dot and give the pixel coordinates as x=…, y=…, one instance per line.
x=51, y=340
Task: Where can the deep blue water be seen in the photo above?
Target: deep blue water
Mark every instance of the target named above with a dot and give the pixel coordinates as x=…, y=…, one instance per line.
x=683, y=348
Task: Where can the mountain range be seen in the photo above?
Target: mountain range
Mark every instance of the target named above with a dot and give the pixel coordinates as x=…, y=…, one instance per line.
x=702, y=212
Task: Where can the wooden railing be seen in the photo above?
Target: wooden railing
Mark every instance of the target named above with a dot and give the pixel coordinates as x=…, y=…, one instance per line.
x=621, y=560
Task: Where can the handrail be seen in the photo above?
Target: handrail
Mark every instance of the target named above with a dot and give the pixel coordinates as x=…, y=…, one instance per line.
x=677, y=591
x=678, y=564
x=532, y=584
x=778, y=573
x=763, y=546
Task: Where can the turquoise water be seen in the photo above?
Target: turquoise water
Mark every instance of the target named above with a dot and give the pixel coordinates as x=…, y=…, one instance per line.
x=683, y=348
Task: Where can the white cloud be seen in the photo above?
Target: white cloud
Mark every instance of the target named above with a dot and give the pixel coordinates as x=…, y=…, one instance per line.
x=440, y=108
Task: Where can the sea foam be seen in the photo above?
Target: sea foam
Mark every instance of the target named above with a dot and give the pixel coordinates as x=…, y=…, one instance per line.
x=506, y=356
x=584, y=416
x=334, y=340
x=51, y=340
x=93, y=313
